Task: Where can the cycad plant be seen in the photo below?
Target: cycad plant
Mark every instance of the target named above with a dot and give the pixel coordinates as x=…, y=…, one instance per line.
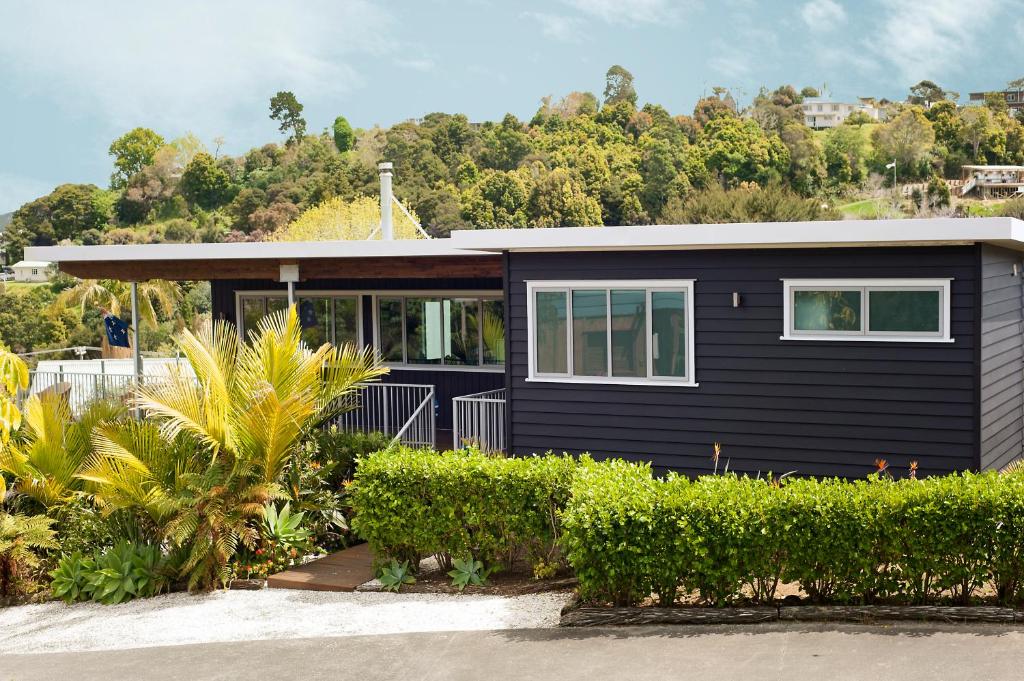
x=211, y=453
x=48, y=453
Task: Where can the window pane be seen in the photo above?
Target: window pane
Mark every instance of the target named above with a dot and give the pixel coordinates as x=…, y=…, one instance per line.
x=494, y=332
x=629, y=333
x=550, y=312
x=826, y=311
x=462, y=342
x=252, y=312
x=276, y=304
x=668, y=319
x=346, y=321
x=389, y=320
x=315, y=318
x=423, y=331
x=916, y=311
x=590, y=333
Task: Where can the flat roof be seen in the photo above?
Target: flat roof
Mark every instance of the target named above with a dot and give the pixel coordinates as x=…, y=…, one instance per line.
x=270, y=250
x=32, y=263
x=996, y=168
x=1002, y=231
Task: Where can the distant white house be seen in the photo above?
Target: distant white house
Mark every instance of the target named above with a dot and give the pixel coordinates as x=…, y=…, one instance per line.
x=822, y=113
x=31, y=270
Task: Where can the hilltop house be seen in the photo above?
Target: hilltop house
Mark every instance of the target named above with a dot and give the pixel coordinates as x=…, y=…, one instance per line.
x=822, y=113
x=808, y=347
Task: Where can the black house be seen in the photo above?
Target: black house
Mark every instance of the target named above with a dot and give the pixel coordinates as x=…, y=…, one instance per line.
x=809, y=347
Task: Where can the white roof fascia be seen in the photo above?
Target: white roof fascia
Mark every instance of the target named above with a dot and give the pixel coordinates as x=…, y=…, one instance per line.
x=1002, y=231
x=288, y=250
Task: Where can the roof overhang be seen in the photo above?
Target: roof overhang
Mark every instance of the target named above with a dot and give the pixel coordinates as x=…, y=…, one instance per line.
x=417, y=259
x=1006, y=232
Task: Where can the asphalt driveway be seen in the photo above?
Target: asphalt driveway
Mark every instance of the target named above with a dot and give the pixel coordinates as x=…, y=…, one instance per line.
x=904, y=652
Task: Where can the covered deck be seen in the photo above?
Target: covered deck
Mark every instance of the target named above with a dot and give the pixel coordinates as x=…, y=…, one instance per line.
x=435, y=313
x=992, y=181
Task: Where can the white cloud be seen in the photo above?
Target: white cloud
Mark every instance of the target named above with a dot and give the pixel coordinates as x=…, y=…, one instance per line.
x=822, y=15
x=558, y=27
x=632, y=12
x=930, y=38
x=422, y=64
x=187, y=64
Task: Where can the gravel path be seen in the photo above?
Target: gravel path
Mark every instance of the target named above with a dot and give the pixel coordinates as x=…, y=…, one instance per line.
x=181, y=618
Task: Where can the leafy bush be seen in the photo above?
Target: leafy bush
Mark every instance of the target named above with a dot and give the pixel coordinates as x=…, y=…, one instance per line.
x=120, y=574
x=728, y=538
x=411, y=503
x=21, y=539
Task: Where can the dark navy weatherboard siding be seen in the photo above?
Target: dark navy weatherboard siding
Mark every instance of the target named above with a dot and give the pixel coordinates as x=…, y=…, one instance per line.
x=819, y=408
x=1002, y=357
x=447, y=383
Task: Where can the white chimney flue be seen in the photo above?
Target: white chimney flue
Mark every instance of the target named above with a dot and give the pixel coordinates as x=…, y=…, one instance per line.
x=386, y=226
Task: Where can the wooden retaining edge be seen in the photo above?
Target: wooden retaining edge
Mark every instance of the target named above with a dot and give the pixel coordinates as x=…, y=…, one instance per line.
x=600, y=616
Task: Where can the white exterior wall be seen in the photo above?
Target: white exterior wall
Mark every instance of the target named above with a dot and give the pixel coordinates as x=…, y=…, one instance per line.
x=824, y=114
x=30, y=274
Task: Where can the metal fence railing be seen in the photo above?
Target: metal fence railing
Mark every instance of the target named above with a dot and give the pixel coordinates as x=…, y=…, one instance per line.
x=479, y=420
x=402, y=411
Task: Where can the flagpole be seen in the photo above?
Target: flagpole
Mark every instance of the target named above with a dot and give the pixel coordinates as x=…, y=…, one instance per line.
x=136, y=346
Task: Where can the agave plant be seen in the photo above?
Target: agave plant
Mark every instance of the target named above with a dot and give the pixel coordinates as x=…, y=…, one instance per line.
x=209, y=457
x=49, y=452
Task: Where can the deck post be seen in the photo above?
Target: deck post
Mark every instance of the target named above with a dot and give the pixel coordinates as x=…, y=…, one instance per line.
x=136, y=345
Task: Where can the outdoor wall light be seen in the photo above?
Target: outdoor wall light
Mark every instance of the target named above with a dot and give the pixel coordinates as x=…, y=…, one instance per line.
x=735, y=298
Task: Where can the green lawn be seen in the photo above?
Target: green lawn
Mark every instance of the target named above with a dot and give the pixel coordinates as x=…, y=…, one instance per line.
x=19, y=286
x=867, y=208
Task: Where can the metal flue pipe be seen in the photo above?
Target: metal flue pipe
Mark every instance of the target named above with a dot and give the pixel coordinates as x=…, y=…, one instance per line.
x=386, y=223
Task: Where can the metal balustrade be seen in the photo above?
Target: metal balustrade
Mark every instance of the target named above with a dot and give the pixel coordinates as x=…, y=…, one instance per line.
x=479, y=421
x=404, y=411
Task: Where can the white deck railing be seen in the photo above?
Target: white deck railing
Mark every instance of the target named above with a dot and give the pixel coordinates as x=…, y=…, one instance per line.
x=479, y=421
x=403, y=411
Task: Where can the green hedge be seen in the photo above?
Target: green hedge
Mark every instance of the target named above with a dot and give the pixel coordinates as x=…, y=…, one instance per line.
x=728, y=538
x=413, y=503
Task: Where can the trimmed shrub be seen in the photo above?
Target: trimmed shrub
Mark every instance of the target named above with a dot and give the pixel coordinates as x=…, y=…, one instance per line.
x=412, y=503
x=726, y=539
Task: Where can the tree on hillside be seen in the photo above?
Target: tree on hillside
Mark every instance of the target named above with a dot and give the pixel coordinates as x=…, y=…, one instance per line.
x=772, y=203
x=927, y=93
x=708, y=108
x=205, y=183
x=846, y=153
x=559, y=199
x=133, y=151
x=344, y=138
x=806, y=173
x=908, y=138
x=61, y=215
x=810, y=92
x=505, y=145
x=499, y=199
x=619, y=86
x=977, y=127
x=738, y=150
x=286, y=110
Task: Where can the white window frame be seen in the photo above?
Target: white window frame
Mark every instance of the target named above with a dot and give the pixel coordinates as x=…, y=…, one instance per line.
x=865, y=286
x=241, y=295
x=404, y=365
x=649, y=286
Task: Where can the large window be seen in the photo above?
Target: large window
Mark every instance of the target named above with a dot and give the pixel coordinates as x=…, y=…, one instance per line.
x=611, y=331
x=445, y=331
x=325, y=318
x=867, y=309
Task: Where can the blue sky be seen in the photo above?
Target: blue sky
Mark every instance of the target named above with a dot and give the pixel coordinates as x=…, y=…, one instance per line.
x=75, y=75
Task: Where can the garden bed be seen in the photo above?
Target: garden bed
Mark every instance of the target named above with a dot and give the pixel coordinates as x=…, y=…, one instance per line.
x=431, y=579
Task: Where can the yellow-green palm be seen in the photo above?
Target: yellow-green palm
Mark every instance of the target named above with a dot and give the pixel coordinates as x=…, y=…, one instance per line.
x=116, y=296
x=213, y=447
x=47, y=456
x=13, y=377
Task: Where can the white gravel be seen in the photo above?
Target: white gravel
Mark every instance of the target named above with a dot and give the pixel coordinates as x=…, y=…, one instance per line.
x=181, y=618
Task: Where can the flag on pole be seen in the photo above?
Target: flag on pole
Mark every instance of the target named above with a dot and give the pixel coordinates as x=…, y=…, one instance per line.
x=117, y=331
